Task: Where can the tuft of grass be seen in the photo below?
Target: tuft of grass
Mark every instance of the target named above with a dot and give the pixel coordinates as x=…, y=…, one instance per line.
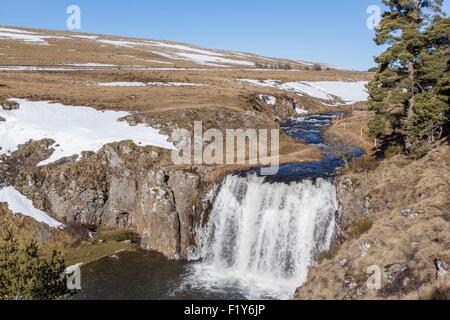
x=392, y=151
x=440, y=294
x=360, y=227
x=403, y=163
x=89, y=252
x=117, y=235
x=326, y=255
x=365, y=164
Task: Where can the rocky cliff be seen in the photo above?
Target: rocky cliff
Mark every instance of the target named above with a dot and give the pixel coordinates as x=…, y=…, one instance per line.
x=123, y=186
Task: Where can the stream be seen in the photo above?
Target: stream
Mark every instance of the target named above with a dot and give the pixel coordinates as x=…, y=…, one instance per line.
x=258, y=243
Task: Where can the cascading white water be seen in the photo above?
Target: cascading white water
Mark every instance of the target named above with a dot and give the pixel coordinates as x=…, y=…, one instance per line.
x=261, y=237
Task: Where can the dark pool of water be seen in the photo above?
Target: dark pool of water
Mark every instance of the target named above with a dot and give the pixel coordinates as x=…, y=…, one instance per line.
x=143, y=275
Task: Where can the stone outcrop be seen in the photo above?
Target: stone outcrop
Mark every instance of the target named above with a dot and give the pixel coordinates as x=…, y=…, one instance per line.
x=10, y=105
x=122, y=186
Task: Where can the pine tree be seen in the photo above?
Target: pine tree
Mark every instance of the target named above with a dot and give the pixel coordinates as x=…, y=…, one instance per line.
x=25, y=275
x=409, y=93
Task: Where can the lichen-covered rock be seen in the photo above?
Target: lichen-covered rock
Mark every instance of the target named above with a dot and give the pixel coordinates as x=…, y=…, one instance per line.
x=158, y=221
x=186, y=190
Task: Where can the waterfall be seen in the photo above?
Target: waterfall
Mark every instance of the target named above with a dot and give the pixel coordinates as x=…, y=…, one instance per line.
x=261, y=237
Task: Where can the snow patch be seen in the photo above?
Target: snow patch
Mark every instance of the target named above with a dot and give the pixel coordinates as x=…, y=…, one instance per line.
x=125, y=44
x=300, y=110
x=15, y=30
x=335, y=92
x=184, y=48
x=350, y=92
x=201, y=58
x=86, y=37
x=122, y=84
x=91, y=64
x=74, y=128
x=151, y=84
x=270, y=100
x=19, y=204
x=25, y=37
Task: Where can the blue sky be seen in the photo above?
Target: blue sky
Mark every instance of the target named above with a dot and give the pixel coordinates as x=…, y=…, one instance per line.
x=326, y=31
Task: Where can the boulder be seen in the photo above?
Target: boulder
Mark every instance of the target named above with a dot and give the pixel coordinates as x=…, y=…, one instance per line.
x=10, y=105
x=442, y=267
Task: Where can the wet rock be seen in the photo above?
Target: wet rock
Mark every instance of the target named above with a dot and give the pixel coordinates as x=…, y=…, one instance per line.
x=10, y=105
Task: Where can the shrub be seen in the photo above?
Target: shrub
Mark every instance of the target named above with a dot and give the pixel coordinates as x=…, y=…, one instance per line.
x=317, y=67
x=419, y=152
x=392, y=151
x=362, y=165
x=117, y=235
x=25, y=275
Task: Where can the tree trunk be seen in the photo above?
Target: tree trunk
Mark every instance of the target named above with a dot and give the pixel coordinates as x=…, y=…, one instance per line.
x=411, y=72
x=411, y=102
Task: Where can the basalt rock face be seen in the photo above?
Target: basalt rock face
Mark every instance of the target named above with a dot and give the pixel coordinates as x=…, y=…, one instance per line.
x=122, y=186
x=165, y=211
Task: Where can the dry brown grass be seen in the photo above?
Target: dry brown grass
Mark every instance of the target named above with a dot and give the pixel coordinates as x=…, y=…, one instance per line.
x=423, y=186
x=352, y=130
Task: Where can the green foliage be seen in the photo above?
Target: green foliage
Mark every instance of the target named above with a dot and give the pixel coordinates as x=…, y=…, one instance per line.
x=410, y=91
x=377, y=126
x=392, y=151
x=117, y=235
x=25, y=275
x=280, y=66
